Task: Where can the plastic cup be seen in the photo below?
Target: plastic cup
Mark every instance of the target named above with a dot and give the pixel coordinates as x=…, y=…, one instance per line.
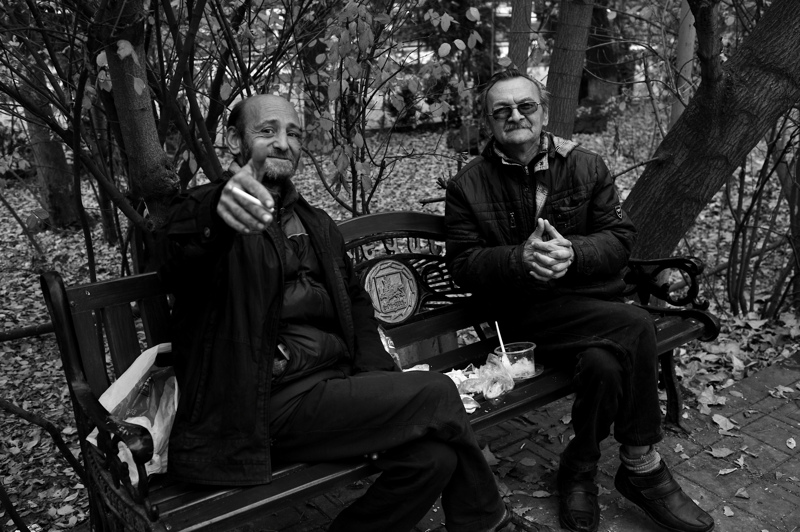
x=521, y=363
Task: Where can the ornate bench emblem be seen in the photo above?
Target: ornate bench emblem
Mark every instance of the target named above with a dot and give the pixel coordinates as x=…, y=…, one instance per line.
x=393, y=290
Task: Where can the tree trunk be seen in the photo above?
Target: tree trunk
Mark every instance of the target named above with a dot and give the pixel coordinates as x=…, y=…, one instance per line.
x=684, y=61
x=733, y=109
x=566, y=65
x=103, y=159
x=52, y=170
x=519, y=40
x=53, y=174
x=602, y=74
x=152, y=177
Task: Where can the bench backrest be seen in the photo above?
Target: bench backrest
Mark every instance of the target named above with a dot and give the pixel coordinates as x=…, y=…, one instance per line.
x=102, y=327
x=399, y=257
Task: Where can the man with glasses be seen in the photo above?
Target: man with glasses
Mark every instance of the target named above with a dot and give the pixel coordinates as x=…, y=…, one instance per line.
x=537, y=232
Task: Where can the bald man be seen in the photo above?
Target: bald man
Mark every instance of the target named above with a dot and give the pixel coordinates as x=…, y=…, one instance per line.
x=278, y=356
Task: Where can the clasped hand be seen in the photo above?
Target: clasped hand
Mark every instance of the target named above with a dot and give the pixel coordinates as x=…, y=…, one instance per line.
x=550, y=259
x=245, y=204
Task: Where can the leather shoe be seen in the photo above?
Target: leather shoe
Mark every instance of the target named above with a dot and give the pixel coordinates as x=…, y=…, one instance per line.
x=663, y=500
x=578, y=509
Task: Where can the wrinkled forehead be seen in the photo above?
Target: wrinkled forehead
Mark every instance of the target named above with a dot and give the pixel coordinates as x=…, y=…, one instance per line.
x=511, y=91
x=268, y=108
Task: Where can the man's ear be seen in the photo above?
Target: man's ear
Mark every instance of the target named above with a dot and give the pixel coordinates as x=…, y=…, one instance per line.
x=234, y=141
x=545, y=115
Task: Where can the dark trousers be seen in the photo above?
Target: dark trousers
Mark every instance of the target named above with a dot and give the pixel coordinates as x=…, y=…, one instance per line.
x=612, y=346
x=416, y=423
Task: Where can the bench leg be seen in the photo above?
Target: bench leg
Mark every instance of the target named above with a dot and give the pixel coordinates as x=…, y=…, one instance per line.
x=670, y=382
x=5, y=502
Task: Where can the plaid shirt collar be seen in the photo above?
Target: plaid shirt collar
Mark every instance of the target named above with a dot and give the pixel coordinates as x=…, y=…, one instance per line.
x=548, y=144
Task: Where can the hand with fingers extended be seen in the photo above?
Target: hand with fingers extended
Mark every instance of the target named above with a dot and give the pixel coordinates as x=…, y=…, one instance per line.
x=547, y=259
x=245, y=204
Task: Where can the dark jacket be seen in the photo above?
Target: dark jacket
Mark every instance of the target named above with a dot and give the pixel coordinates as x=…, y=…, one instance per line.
x=228, y=291
x=491, y=211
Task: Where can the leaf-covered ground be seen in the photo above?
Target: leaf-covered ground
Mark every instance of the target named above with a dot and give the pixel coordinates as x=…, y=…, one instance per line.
x=46, y=491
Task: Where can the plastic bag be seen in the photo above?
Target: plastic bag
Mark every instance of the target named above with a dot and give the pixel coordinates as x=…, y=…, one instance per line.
x=496, y=378
x=492, y=379
x=144, y=395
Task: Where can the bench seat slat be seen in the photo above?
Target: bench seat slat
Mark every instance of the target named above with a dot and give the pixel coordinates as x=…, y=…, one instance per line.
x=678, y=332
x=238, y=506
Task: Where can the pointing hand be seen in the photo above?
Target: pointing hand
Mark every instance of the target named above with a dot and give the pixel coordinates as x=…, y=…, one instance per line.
x=245, y=204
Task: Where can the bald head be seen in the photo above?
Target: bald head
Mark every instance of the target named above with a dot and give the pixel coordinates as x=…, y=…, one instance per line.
x=238, y=116
x=272, y=123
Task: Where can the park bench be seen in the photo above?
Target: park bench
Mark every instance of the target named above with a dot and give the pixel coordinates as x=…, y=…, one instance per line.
x=399, y=257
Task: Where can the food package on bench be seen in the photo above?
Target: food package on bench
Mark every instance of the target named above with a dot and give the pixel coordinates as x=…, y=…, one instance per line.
x=492, y=379
x=145, y=395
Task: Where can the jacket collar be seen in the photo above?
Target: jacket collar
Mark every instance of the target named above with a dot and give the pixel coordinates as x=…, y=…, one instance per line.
x=549, y=147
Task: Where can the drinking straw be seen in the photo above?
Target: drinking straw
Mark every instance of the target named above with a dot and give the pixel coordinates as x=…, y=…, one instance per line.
x=500, y=336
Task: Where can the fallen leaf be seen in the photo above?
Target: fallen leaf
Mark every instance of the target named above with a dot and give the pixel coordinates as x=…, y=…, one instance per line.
x=720, y=452
x=65, y=510
x=790, y=443
x=727, y=471
x=736, y=394
x=503, y=489
x=780, y=392
x=727, y=511
x=490, y=458
x=567, y=419
x=540, y=494
x=742, y=493
x=740, y=461
x=527, y=461
x=724, y=423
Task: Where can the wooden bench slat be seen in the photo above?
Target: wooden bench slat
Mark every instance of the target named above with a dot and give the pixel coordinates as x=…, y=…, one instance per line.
x=678, y=333
x=390, y=224
x=91, y=351
x=434, y=323
x=238, y=506
x=115, y=291
x=123, y=343
x=155, y=319
x=551, y=385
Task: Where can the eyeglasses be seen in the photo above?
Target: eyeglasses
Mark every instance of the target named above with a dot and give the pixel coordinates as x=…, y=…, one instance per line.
x=525, y=108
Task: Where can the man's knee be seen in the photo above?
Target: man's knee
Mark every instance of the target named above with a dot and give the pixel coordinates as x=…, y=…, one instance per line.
x=441, y=459
x=638, y=321
x=425, y=458
x=599, y=366
x=436, y=385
